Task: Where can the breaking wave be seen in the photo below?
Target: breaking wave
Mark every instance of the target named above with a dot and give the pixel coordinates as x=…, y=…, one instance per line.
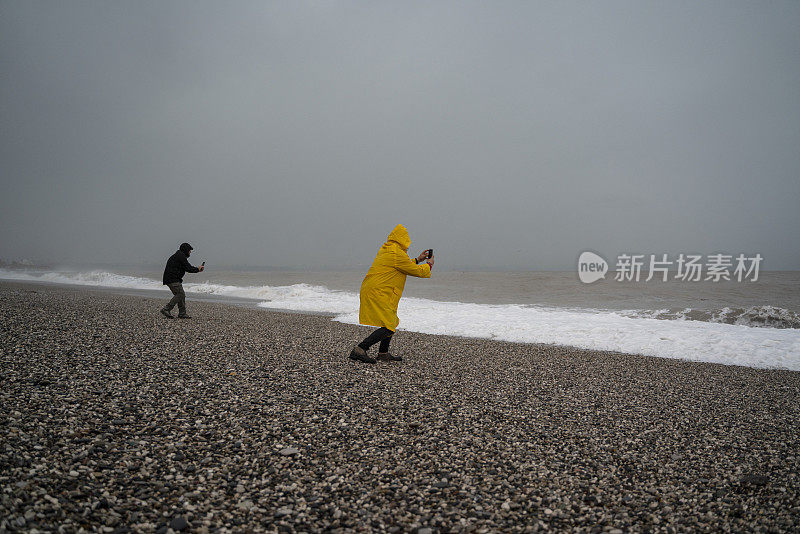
x=753, y=316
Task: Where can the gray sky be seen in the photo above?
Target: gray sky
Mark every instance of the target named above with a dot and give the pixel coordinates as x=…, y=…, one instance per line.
x=502, y=134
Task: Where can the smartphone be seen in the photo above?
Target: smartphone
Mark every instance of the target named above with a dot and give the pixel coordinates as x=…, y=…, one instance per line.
x=203, y=264
x=430, y=253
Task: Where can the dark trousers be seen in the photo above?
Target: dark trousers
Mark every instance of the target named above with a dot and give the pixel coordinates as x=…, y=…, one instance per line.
x=178, y=297
x=382, y=334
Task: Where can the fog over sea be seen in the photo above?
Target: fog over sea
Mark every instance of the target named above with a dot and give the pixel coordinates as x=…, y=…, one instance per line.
x=755, y=324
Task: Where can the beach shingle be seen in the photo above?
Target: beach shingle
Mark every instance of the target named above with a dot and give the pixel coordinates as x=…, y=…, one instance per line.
x=113, y=417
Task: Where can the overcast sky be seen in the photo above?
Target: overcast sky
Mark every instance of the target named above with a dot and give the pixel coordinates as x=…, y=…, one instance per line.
x=502, y=134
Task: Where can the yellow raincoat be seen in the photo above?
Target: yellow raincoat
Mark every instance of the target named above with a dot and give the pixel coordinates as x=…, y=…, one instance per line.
x=383, y=286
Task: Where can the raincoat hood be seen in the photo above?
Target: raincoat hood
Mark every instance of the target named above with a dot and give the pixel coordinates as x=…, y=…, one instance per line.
x=400, y=236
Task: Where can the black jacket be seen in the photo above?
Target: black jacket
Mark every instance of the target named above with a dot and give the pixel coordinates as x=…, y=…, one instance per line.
x=177, y=266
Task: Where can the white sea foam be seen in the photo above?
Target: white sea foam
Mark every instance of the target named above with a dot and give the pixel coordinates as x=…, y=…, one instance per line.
x=296, y=297
x=90, y=278
x=735, y=344
x=605, y=330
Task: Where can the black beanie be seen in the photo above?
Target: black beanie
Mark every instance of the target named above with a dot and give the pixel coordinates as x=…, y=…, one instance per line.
x=185, y=248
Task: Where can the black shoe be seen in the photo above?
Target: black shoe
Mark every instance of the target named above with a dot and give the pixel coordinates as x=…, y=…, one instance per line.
x=361, y=355
x=166, y=314
x=184, y=316
x=389, y=357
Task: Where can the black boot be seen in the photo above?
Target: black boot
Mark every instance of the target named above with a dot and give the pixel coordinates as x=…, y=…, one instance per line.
x=361, y=355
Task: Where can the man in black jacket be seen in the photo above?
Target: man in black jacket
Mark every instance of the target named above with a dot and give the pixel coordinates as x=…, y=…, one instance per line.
x=178, y=265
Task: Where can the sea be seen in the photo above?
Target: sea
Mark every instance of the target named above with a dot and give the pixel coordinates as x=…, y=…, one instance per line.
x=749, y=323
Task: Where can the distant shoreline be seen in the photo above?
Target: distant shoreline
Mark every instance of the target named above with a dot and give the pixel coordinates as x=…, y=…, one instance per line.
x=166, y=295
x=686, y=326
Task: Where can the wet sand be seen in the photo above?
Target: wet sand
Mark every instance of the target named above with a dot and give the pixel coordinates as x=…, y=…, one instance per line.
x=116, y=419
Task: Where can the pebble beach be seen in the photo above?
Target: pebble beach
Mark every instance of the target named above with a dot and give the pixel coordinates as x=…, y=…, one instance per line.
x=114, y=419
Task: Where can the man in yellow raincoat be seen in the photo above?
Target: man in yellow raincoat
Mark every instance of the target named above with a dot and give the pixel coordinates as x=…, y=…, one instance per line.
x=381, y=291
